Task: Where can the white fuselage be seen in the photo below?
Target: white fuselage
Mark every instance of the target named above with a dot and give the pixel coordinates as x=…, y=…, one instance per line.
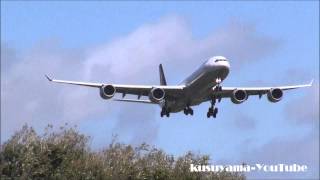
x=200, y=83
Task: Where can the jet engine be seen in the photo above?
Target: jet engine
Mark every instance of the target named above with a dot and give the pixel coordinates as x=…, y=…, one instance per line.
x=275, y=95
x=156, y=95
x=239, y=96
x=107, y=91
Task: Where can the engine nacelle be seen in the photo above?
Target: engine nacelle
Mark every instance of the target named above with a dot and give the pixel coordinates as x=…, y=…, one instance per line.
x=156, y=95
x=239, y=96
x=275, y=95
x=107, y=91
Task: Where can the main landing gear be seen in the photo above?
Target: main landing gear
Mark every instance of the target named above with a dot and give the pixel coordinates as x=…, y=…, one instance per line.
x=188, y=110
x=165, y=111
x=212, y=110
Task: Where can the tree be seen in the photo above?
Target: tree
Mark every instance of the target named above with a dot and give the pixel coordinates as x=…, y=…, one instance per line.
x=66, y=155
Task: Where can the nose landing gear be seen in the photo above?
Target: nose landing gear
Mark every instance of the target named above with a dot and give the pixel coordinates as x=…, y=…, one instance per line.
x=218, y=86
x=212, y=110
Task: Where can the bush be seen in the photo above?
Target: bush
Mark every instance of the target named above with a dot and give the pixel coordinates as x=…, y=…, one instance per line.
x=66, y=155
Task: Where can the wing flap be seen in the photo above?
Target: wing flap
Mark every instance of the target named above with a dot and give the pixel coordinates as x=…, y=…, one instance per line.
x=134, y=100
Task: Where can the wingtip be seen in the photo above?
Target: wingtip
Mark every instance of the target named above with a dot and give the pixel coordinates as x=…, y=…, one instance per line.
x=311, y=82
x=49, y=79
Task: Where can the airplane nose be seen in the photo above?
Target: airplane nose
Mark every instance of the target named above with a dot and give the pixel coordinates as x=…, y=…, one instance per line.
x=222, y=63
x=225, y=64
x=228, y=65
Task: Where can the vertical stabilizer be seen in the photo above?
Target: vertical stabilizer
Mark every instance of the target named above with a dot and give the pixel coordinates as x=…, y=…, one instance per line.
x=163, y=81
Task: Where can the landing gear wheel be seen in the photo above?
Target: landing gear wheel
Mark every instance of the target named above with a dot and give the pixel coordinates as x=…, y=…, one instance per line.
x=215, y=112
x=165, y=112
x=209, y=113
x=191, y=112
x=212, y=112
x=187, y=111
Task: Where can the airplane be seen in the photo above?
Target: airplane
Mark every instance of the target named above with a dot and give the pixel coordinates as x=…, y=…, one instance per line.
x=201, y=86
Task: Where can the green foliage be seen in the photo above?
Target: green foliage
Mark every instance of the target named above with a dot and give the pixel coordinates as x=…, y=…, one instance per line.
x=66, y=155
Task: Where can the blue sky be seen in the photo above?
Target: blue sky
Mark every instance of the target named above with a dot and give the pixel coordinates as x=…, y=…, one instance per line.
x=268, y=43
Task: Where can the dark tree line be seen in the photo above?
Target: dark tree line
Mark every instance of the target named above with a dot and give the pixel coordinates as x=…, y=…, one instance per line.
x=66, y=155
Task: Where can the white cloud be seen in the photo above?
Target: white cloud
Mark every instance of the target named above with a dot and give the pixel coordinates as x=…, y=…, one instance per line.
x=295, y=113
x=28, y=97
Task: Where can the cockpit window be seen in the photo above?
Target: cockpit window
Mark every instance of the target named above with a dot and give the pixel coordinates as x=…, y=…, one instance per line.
x=217, y=60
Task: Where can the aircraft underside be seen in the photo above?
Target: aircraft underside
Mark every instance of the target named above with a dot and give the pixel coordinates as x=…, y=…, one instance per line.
x=186, y=103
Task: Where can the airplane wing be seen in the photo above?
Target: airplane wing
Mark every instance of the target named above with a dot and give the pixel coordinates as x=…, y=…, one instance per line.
x=140, y=90
x=227, y=91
